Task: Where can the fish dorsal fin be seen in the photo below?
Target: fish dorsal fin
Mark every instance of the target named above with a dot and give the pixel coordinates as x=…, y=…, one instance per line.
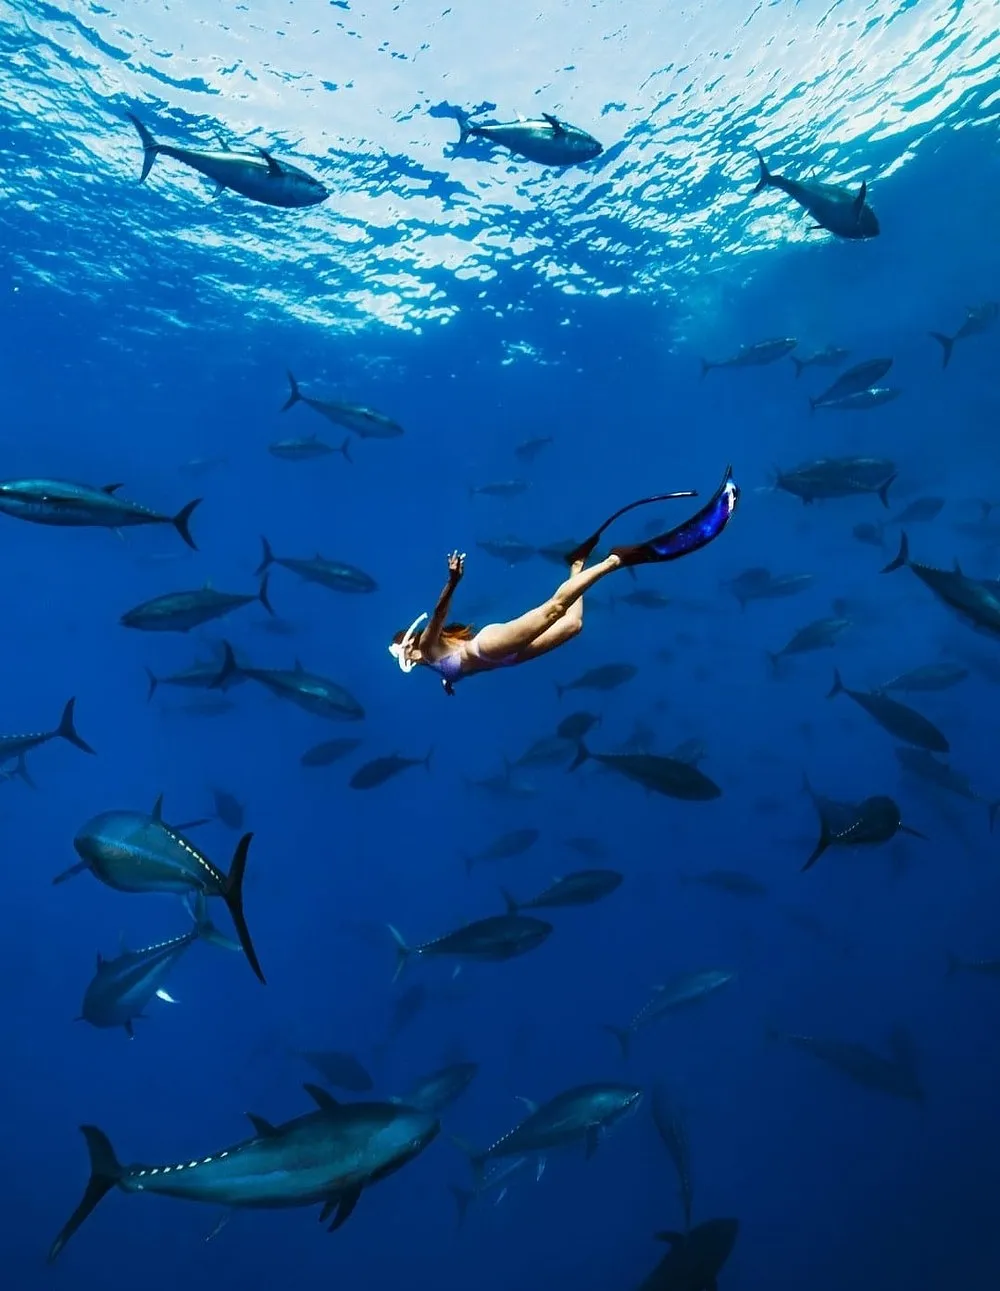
x=273, y=167
x=110, y=488
x=157, y=812
x=958, y=568
x=669, y=1236
x=262, y=1128
x=529, y=1103
x=100, y=961
x=557, y=126
x=298, y=666
x=323, y=1099
x=859, y=201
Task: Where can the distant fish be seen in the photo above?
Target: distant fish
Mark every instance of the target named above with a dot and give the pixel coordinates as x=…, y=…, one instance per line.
x=673, y=1134
x=583, y=887
x=832, y=206
x=684, y=989
x=608, y=676
x=591, y=848
x=753, y=356
x=577, y=725
x=514, y=843
x=364, y=422
x=735, y=882
x=305, y=448
x=257, y=175
x=379, y=770
x=978, y=319
x=341, y=1070
x=436, y=1092
x=838, y=477
x=644, y=598
x=512, y=551
x=758, y=584
x=919, y=511
x=328, y=752
x=498, y=938
x=896, y=718
x=869, y=533
x=550, y=750
x=830, y=357
x=182, y=611
x=200, y=676
x=549, y=141
x=928, y=768
x=984, y=967
x=896, y=1075
x=499, y=489
x=861, y=377
x=661, y=775
x=228, y=809
x=68, y=505
x=202, y=465
x=821, y=634
x=334, y=574
x=528, y=449
x=931, y=676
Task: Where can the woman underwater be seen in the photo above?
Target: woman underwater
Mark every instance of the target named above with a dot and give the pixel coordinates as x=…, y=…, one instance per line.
x=455, y=650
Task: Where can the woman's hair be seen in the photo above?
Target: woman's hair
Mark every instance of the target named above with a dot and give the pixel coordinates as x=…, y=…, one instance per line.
x=451, y=634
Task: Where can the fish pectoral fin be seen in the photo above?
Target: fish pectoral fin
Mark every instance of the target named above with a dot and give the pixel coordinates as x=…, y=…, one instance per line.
x=540, y=1169
x=273, y=167
x=593, y=1140
x=262, y=1128
x=914, y=833
x=323, y=1099
x=219, y=189
x=328, y=1208
x=529, y=1103
x=348, y=1200
x=557, y=126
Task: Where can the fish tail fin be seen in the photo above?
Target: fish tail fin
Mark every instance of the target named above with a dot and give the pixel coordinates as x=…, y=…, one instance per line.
x=67, y=731
x=232, y=894
x=465, y=127
x=706, y=367
x=266, y=558
x=623, y=1036
x=799, y=367
x=837, y=686
x=345, y=450
x=403, y=951
x=154, y=681
x=902, y=556
x=583, y=754
x=953, y=962
x=227, y=671
x=262, y=596
x=22, y=772
x=511, y=904
x=294, y=393
x=883, y=492
x=947, y=344
x=105, y=1174
x=464, y=1198
x=765, y=174
x=181, y=519
x=150, y=148
x=825, y=838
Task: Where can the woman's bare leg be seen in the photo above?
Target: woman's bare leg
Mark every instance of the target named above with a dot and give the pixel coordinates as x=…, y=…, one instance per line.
x=499, y=639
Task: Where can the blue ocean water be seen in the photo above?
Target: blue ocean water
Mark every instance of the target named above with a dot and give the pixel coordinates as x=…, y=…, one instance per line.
x=482, y=300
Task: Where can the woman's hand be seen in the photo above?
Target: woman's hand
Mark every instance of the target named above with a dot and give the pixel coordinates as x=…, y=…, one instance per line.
x=456, y=566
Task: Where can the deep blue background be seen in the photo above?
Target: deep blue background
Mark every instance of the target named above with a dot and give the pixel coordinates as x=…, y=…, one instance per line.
x=831, y=1183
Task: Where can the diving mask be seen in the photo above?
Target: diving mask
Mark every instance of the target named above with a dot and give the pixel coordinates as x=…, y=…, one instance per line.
x=398, y=650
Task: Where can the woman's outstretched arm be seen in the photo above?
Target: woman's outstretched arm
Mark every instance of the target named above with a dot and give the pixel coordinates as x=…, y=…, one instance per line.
x=431, y=636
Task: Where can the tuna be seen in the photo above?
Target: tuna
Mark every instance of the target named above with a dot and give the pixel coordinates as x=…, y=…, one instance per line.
x=436, y=1092
x=898, y=719
x=822, y=634
x=583, y=887
x=379, y=770
x=342, y=1070
x=324, y=1158
x=578, y=1115
x=182, y=611
x=753, y=356
x=695, y=1259
x=608, y=676
x=978, y=319
x=832, y=206
x=14, y=747
x=838, y=477
x=548, y=140
x=334, y=574
x=868, y=824
x=685, y=988
x=59, y=502
x=895, y=1075
x=977, y=601
x=309, y=691
x=257, y=175
x=492, y=940
x=514, y=843
x=667, y=776
x=861, y=377
x=830, y=357
x=363, y=422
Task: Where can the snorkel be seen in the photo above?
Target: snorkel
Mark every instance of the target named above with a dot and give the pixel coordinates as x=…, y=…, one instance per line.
x=400, y=650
